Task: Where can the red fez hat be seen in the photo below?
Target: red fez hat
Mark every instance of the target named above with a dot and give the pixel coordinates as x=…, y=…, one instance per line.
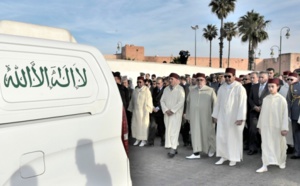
x=230, y=70
x=174, y=75
x=286, y=73
x=241, y=76
x=275, y=80
x=140, y=78
x=293, y=74
x=194, y=76
x=200, y=75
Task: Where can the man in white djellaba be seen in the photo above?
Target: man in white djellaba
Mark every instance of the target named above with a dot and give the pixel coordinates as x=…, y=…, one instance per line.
x=172, y=104
x=273, y=126
x=200, y=103
x=141, y=106
x=230, y=115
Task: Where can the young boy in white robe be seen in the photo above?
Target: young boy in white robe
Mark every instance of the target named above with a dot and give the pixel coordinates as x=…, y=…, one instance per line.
x=273, y=127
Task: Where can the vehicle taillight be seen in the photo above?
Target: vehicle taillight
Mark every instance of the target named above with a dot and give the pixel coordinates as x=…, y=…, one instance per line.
x=124, y=131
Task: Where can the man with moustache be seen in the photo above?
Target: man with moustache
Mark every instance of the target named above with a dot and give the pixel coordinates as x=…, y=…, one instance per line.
x=230, y=115
x=172, y=104
x=257, y=94
x=200, y=103
x=141, y=106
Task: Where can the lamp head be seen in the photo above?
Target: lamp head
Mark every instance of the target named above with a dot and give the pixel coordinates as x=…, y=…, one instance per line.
x=272, y=53
x=195, y=27
x=287, y=35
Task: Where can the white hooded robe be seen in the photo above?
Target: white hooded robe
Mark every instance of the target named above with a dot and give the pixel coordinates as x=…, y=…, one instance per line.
x=173, y=100
x=141, y=106
x=272, y=120
x=200, y=104
x=231, y=106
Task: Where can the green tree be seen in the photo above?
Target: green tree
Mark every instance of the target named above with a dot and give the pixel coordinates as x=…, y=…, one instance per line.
x=176, y=60
x=252, y=28
x=210, y=32
x=230, y=29
x=222, y=8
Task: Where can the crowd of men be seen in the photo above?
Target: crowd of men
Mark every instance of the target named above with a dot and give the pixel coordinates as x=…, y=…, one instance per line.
x=219, y=114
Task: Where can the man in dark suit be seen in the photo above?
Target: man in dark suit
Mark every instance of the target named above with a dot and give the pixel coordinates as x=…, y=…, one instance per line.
x=213, y=82
x=253, y=80
x=293, y=100
x=220, y=80
x=157, y=116
x=123, y=90
x=257, y=93
x=185, y=127
x=125, y=83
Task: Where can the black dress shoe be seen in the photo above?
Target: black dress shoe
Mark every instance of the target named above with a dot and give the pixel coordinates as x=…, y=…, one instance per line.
x=295, y=157
x=290, y=150
x=251, y=152
x=149, y=144
x=172, y=153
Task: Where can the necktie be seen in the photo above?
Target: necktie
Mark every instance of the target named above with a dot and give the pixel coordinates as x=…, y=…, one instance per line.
x=261, y=88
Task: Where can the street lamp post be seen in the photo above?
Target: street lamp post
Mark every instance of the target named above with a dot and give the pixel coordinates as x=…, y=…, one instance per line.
x=272, y=50
x=287, y=35
x=195, y=28
x=119, y=46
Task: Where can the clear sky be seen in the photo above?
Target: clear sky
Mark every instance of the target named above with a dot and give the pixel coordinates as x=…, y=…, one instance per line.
x=163, y=27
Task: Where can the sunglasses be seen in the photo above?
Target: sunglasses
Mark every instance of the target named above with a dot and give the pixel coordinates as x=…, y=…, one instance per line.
x=245, y=79
x=288, y=79
x=139, y=82
x=227, y=76
x=199, y=80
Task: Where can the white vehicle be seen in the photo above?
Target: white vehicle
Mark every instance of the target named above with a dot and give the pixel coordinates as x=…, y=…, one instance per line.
x=61, y=119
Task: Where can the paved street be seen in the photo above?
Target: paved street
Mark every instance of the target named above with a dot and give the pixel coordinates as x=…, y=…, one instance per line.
x=151, y=166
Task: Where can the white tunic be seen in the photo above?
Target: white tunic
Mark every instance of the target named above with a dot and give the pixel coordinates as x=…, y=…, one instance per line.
x=200, y=104
x=271, y=122
x=140, y=105
x=231, y=106
x=173, y=100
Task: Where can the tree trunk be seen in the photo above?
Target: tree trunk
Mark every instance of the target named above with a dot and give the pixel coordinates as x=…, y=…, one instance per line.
x=228, y=53
x=221, y=43
x=249, y=60
x=209, y=53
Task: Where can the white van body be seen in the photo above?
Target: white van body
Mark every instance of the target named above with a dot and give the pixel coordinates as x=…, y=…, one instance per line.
x=60, y=116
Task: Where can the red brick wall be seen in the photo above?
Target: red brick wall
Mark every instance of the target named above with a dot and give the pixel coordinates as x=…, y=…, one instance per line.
x=135, y=53
x=289, y=61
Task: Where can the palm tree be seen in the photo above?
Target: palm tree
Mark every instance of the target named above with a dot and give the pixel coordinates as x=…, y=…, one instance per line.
x=252, y=29
x=230, y=32
x=210, y=32
x=222, y=8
